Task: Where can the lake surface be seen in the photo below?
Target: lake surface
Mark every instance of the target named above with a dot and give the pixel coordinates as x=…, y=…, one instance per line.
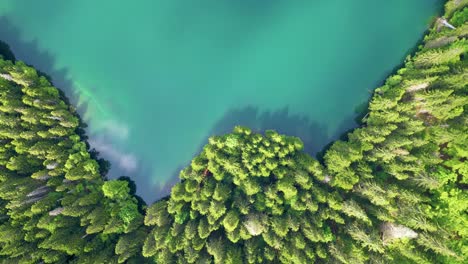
x=155, y=78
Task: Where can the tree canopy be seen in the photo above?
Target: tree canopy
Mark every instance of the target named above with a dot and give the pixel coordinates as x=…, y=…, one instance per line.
x=392, y=191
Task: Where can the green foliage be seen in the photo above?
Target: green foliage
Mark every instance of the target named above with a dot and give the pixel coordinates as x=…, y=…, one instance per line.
x=115, y=190
x=460, y=17
x=393, y=192
x=242, y=187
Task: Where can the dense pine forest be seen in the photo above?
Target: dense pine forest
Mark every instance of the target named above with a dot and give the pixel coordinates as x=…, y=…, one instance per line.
x=392, y=191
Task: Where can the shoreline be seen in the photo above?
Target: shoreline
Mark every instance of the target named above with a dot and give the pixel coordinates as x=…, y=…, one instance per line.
x=5, y=50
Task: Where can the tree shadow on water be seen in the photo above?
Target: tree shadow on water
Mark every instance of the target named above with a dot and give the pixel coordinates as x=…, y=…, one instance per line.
x=6, y=52
x=315, y=137
x=313, y=134
x=13, y=47
x=31, y=54
x=149, y=191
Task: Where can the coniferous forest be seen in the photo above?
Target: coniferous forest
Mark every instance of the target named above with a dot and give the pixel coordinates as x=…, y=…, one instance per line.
x=392, y=191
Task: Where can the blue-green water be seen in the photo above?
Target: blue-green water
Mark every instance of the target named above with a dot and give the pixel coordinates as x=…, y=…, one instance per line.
x=155, y=78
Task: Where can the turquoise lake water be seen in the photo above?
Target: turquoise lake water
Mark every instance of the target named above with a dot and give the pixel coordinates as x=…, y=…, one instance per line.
x=155, y=78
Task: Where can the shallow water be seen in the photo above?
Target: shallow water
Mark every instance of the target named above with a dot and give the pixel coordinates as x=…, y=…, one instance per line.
x=154, y=80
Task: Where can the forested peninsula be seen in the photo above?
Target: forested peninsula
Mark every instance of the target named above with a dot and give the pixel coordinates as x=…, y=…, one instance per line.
x=392, y=191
